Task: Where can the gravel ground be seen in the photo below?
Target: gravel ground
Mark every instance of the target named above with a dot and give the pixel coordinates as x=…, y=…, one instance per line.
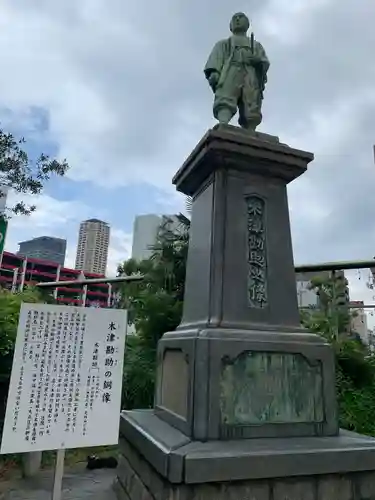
x=78, y=484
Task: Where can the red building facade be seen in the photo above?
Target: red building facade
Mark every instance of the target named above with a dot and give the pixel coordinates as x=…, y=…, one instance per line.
x=17, y=271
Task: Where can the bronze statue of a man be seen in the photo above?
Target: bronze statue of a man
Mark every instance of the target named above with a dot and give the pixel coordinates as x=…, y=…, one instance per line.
x=237, y=73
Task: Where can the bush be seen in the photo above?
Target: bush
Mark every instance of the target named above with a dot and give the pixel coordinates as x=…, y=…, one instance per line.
x=355, y=370
x=356, y=405
x=10, y=304
x=139, y=375
x=158, y=313
x=155, y=307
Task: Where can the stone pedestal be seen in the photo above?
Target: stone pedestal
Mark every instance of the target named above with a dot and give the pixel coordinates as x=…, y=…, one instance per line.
x=245, y=404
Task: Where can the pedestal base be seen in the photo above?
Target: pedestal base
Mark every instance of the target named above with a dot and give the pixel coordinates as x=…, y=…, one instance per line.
x=223, y=383
x=159, y=462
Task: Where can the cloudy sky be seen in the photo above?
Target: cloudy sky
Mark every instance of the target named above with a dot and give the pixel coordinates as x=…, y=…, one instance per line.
x=117, y=89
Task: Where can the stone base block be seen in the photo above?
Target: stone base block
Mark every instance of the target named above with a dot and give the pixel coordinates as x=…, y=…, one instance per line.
x=331, y=487
x=158, y=463
x=226, y=384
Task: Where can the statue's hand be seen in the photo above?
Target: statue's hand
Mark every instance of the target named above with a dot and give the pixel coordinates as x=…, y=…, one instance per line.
x=213, y=80
x=255, y=60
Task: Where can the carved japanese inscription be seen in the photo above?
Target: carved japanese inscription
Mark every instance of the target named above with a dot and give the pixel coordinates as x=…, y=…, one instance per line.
x=270, y=387
x=257, y=253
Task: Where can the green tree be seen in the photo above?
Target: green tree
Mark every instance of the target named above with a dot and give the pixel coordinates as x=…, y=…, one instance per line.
x=332, y=317
x=155, y=307
x=21, y=174
x=355, y=365
x=10, y=304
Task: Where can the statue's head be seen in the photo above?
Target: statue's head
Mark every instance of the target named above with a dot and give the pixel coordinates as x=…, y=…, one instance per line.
x=240, y=23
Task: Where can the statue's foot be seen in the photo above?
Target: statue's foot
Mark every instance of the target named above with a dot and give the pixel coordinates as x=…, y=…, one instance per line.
x=224, y=116
x=250, y=127
x=249, y=124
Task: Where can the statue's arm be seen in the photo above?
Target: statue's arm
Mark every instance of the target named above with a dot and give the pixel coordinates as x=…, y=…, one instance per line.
x=214, y=65
x=263, y=60
x=215, y=60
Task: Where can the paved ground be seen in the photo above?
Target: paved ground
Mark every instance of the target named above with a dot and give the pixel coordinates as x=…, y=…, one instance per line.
x=78, y=484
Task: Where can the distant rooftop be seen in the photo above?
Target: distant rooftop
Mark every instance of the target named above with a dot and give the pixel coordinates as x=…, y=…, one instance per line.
x=96, y=220
x=43, y=238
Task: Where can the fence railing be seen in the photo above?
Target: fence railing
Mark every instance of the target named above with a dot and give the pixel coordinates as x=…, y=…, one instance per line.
x=336, y=266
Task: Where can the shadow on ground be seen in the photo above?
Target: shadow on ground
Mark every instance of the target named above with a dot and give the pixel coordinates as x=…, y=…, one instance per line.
x=78, y=484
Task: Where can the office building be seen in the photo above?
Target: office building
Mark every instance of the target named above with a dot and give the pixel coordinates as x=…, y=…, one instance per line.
x=17, y=272
x=145, y=233
x=358, y=321
x=44, y=248
x=92, y=248
x=371, y=339
x=308, y=297
x=145, y=230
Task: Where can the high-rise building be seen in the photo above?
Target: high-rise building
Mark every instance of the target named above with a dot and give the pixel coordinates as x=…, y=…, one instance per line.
x=145, y=232
x=308, y=297
x=92, y=249
x=358, y=320
x=45, y=248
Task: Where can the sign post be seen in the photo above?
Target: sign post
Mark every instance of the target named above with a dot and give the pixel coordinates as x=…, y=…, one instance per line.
x=65, y=387
x=58, y=476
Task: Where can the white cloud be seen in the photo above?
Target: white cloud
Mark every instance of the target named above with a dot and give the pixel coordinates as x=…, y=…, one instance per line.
x=122, y=86
x=331, y=125
x=50, y=214
x=289, y=20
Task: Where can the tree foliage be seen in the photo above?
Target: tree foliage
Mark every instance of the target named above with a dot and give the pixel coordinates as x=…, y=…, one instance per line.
x=21, y=174
x=332, y=317
x=155, y=307
x=355, y=364
x=10, y=305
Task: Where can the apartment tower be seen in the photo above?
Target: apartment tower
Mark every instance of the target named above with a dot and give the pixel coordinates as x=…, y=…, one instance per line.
x=92, y=249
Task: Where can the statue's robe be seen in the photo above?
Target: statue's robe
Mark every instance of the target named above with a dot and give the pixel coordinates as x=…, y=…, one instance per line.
x=241, y=81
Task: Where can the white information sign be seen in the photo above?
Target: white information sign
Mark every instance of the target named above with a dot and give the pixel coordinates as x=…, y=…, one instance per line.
x=65, y=388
